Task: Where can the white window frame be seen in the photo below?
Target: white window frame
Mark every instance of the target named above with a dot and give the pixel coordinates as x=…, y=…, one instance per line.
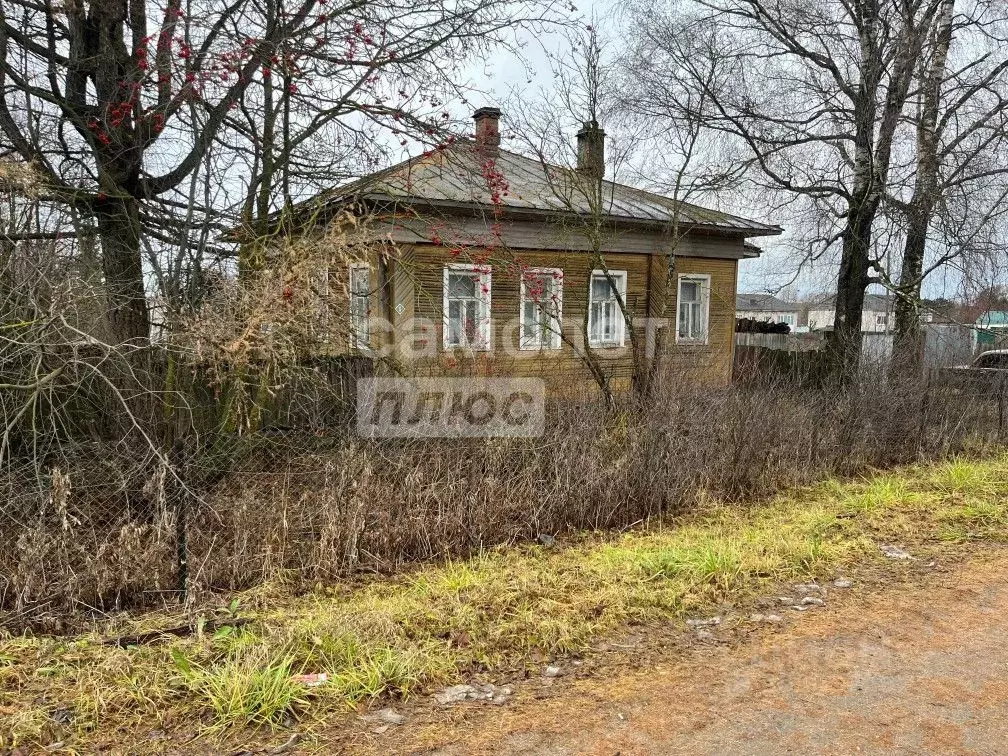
x=483, y=335
x=552, y=339
x=619, y=277
x=704, y=280
x=360, y=338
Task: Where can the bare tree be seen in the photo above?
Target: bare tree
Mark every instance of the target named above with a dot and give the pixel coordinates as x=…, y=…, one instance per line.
x=815, y=93
x=686, y=160
x=120, y=104
x=958, y=176
x=592, y=88
x=582, y=96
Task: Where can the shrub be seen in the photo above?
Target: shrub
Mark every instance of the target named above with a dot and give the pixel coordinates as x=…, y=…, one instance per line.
x=99, y=528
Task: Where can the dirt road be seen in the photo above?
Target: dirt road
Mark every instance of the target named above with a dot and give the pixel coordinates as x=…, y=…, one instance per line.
x=906, y=667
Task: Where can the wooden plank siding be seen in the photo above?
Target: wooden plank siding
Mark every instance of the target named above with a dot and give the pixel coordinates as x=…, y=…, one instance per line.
x=414, y=280
x=537, y=235
x=713, y=361
x=561, y=368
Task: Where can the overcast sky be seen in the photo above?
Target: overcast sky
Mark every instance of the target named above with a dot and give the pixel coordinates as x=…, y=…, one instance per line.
x=493, y=80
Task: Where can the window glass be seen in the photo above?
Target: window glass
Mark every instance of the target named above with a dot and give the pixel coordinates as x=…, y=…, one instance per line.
x=462, y=285
x=601, y=289
x=541, y=291
x=467, y=307
x=692, y=309
x=992, y=360
x=605, y=318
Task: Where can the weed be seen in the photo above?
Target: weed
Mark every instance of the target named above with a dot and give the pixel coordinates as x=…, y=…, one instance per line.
x=708, y=561
x=960, y=475
x=314, y=507
x=249, y=688
x=504, y=608
x=879, y=493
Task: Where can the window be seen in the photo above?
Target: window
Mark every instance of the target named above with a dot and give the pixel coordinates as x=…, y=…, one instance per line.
x=541, y=308
x=360, y=307
x=788, y=319
x=605, y=318
x=467, y=306
x=693, y=302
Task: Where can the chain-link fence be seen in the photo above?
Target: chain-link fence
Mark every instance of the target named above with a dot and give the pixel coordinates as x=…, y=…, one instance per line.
x=142, y=518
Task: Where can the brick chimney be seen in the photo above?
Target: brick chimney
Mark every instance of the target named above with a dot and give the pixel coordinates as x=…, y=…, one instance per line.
x=487, y=130
x=591, y=149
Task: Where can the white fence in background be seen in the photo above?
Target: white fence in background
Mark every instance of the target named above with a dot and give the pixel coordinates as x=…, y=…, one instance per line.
x=945, y=344
x=789, y=342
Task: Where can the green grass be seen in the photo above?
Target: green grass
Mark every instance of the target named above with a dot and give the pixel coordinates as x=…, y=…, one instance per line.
x=245, y=688
x=504, y=609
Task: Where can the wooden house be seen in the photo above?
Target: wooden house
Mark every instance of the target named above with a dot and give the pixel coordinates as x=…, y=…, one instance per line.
x=507, y=265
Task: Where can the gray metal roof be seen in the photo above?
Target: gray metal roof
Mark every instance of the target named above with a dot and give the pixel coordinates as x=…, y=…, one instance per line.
x=461, y=177
x=762, y=303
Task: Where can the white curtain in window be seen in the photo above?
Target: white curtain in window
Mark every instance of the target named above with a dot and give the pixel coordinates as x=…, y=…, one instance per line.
x=605, y=319
x=467, y=308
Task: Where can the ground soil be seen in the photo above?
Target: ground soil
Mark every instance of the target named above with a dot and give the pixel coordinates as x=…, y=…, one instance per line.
x=913, y=659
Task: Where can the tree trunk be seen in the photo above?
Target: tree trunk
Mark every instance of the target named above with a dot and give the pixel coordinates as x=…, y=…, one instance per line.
x=908, y=346
x=7, y=249
x=119, y=229
x=845, y=344
x=844, y=348
x=873, y=140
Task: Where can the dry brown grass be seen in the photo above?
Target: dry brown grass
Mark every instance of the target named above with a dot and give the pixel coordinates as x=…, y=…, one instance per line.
x=101, y=532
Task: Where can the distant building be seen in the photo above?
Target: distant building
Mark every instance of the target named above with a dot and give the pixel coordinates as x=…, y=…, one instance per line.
x=991, y=330
x=766, y=307
x=877, y=314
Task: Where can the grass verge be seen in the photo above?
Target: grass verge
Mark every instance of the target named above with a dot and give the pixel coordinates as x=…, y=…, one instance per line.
x=503, y=609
